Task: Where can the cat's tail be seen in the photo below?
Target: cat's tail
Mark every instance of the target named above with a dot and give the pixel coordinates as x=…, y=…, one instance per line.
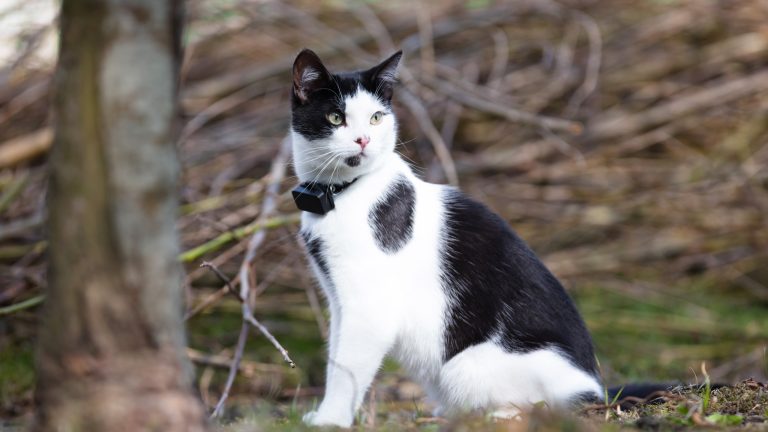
x=632, y=394
x=629, y=395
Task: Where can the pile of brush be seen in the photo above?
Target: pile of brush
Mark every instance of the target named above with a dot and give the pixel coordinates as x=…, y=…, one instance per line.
x=626, y=143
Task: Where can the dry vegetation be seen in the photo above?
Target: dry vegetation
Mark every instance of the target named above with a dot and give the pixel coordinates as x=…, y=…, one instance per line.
x=626, y=141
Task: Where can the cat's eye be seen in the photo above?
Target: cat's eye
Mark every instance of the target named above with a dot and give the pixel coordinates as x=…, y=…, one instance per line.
x=334, y=118
x=376, y=117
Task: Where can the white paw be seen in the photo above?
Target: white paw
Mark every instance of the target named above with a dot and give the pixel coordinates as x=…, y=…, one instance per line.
x=316, y=418
x=309, y=418
x=507, y=413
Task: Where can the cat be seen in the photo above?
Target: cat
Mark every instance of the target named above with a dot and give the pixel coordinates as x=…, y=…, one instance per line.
x=420, y=271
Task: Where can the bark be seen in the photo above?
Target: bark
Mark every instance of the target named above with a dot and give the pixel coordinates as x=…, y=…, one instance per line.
x=110, y=353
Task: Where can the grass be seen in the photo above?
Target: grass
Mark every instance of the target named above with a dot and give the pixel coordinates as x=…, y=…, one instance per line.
x=744, y=406
x=17, y=376
x=660, y=335
x=656, y=336
x=664, y=335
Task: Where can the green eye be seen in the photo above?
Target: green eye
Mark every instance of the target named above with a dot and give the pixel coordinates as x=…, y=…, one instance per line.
x=334, y=118
x=376, y=117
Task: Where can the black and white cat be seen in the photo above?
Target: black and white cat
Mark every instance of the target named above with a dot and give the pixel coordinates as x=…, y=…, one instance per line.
x=420, y=271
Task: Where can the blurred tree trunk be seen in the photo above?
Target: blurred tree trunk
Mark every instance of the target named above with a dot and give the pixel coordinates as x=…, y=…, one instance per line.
x=111, y=349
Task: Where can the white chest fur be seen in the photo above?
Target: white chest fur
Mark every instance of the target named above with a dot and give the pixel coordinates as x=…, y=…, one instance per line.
x=395, y=297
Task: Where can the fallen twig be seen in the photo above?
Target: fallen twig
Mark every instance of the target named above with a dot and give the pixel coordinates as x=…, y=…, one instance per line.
x=592, y=73
x=248, y=319
x=626, y=124
x=25, y=147
x=22, y=305
x=258, y=226
x=13, y=190
x=248, y=314
x=223, y=361
x=514, y=115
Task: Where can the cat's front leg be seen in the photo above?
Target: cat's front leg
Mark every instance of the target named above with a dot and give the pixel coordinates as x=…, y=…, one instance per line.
x=361, y=343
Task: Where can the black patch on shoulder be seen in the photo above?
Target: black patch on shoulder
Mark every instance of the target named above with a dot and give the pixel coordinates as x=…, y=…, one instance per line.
x=316, y=250
x=498, y=288
x=392, y=219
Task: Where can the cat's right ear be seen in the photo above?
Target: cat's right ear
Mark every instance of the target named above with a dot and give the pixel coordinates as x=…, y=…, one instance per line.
x=309, y=74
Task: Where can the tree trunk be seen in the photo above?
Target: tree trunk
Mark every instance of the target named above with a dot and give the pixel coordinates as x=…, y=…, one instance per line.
x=111, y=347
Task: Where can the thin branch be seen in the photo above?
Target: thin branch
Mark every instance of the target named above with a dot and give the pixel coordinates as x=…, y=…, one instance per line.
x=615, y=126
x=248, y=319
x=269, y=205
x=13, y=190
x=376, y=27
x=25, y=147
x=224, y=279
x=211, y=299
x=421, y=115
x=19, y=226
x=256, y=227
x=427, y=51
x=223, y=361
x=593, y=63
x=514, y=115
x=248, y=314
x=20, y=306
x=254, y=322
x=233, y=368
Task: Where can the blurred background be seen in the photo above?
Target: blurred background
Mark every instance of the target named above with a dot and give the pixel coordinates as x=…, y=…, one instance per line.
x=626, y=141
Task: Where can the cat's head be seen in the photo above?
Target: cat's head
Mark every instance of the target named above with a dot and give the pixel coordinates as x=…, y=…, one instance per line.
x=342, y=124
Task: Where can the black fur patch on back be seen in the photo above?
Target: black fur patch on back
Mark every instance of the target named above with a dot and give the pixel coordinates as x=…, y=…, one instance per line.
x=497, y=287
x=316, y=248
x=392, y=219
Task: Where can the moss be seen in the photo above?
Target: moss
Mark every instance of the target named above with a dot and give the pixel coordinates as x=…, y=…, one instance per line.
x=660, y=334
x=17, y=376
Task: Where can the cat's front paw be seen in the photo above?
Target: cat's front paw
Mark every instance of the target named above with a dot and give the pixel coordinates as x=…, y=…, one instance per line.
x=316, y=418
x=309, y=418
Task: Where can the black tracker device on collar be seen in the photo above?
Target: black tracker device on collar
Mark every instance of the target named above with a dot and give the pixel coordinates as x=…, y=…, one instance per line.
x=318, y=197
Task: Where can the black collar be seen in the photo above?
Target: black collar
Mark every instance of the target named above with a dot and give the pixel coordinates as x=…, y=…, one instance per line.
x=318, y=197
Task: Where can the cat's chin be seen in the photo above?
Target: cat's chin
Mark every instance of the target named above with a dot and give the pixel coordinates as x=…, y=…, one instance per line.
x=354, y=161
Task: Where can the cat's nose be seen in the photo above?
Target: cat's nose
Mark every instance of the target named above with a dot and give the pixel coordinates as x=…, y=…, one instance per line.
x=362, y=141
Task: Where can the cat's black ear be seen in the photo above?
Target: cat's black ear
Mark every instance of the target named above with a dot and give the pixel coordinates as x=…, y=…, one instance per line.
x=309, y=74
x=384, y=74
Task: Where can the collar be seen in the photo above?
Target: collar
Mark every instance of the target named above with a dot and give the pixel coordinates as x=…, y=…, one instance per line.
x=318, y=197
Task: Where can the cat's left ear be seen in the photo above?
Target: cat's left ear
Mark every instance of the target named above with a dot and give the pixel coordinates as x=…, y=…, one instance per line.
x=384, y=75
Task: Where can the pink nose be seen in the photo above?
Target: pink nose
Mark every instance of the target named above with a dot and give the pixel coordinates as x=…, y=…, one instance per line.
x=363, y=141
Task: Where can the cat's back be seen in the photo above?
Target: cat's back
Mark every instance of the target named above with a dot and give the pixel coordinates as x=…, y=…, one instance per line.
x=496, y=282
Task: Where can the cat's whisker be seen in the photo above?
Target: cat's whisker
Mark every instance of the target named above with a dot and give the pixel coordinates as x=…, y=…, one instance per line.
x=412, y=164
x=336, y=166
x=322, y=168
x=402, y=143
x=319, y=156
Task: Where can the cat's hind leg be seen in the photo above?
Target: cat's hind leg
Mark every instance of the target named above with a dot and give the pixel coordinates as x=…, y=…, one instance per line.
x=487, y=376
